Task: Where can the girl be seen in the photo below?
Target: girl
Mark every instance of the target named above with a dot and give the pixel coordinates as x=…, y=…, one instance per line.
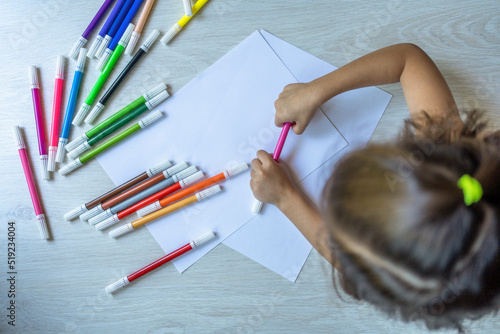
x=413, y=226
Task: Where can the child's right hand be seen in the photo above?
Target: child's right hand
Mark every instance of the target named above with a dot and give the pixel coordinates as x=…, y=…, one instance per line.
x=271, y=181
x=296, y=103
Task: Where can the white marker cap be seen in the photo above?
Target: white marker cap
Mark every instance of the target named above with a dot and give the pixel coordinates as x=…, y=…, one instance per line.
x=150, y=119
x=34, y=83
x=92, y=212
x=150, y=40
x=100, y=217
x=132, y=43
x=43, y=166
x=76, y=142
x=175, y=169
x=158, y=168
x=42, y=226
x=191, y=179
x=71, y=166
x=171, y=34
x=60, y=149
x=154, y=91
x=78, y=151
x=126, y=35
x=257, y=206
x=80, y=115
x=235, y=170
x=202, y=239
x=208, y=192
x=95, y=45
x=18, y=138
x=75, y=212
x=117, y=285
x=121, y=230
x=60, y=67
x=104, y=45
x=80, y=63
x=155, y=101
x=103, y=60
x=77, y=46
x=184, y=173
x=51, y=165
x=149, y=209
x=99, y=107
x=187, y=8
x=107, y=222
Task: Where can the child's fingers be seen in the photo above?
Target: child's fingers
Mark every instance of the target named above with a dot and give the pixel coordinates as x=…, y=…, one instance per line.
x=279, y=119
x=264, y=157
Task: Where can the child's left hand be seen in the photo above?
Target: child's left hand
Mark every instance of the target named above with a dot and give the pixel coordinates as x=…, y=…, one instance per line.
x=271, y=181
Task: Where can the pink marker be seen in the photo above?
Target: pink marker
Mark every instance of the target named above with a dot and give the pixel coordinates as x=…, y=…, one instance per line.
x=281, y=141
x=257, y=205
x=37, y=107
x=40, y=217
x=56, y=112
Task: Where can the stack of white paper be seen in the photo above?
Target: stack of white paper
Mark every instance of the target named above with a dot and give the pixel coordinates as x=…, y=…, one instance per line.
x=276, y=243
x=222, y=117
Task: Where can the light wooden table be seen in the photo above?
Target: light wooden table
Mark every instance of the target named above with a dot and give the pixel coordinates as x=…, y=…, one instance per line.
x=60, y=283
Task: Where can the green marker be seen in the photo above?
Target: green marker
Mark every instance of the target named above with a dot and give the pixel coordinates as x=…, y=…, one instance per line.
x=84, y=109
x=143, y=123
x=149, y=95
x=118, y=124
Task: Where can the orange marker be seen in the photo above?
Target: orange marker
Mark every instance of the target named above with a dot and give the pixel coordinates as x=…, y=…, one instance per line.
x=191, y=190
x=171, y=208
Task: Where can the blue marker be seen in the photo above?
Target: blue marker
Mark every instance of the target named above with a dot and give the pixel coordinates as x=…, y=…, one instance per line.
x=105, y=28
x=114, y=28
x=126, y=21
x=75, y=87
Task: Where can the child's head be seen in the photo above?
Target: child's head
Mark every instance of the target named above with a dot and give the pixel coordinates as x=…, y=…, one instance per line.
x=402, y=233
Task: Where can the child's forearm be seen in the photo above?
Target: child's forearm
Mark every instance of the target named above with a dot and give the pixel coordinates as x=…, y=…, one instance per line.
x=423, y=85
x=306, y=217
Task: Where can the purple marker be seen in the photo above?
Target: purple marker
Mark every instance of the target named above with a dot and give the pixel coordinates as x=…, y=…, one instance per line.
x=42, y=145
x=83, y=38
x=105, y=28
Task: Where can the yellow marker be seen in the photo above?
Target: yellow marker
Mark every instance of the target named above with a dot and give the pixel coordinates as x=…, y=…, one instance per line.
x=182, y=22
x=166, y=210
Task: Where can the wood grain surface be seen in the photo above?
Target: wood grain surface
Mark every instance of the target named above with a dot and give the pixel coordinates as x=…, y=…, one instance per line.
x=60, y=283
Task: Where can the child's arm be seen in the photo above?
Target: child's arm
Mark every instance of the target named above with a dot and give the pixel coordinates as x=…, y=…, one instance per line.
x=271, y=183
x=423, y=85
x=424, y=88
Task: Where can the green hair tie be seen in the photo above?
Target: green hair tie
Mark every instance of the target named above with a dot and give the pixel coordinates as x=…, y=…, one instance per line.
x=472, y=189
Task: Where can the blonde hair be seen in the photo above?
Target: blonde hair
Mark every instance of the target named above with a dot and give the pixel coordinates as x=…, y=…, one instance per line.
x=400, y=229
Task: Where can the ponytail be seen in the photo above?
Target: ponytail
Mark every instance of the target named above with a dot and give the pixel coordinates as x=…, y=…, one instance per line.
x=404, y=236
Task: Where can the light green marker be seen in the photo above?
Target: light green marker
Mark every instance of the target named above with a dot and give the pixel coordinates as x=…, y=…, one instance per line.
x=87, y=145
x=147, y=97
x=85, y=108
x=143, y=123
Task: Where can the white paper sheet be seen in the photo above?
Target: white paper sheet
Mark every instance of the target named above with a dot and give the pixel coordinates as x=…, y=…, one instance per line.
x=275, y=244
x=221, y=117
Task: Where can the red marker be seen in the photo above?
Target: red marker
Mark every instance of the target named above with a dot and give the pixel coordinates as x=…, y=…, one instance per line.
x=169, y=257
x=56, y=112
x=162, y=193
